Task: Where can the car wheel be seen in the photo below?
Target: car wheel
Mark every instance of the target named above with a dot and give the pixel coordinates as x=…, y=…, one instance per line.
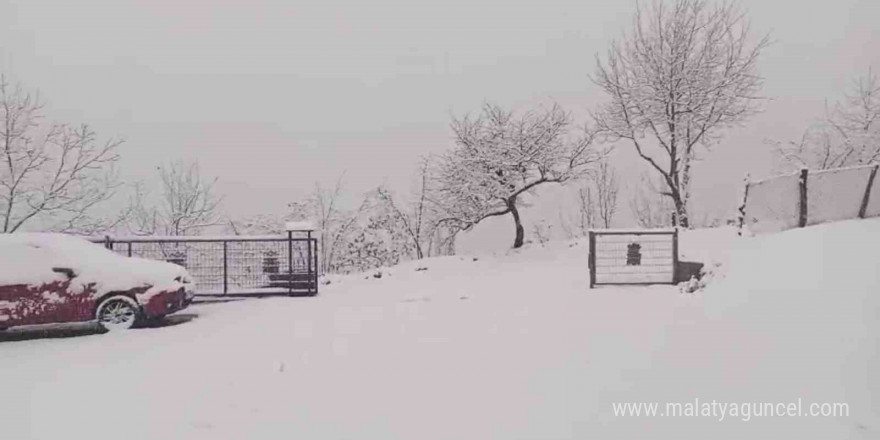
x=117, y=313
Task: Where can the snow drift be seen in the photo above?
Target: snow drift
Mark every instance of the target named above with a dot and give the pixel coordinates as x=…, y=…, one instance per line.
x=513, y=345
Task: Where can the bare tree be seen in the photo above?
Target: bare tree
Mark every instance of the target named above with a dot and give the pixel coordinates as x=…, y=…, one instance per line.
x=607, y=187
x=499, y=159
x=847, y=135
x=337, y=227
x=412, y=219
x=54, y=175
x=262, y=224
x=334, y=224
x=578, y=223
x=419, y=218
x=595, y=202
x=586, y=203
x=682, y=75
x=543, y=231
x=186, y=206
x=650, y=207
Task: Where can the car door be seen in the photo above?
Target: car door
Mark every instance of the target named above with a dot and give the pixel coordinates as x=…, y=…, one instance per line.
x=22, y=267
x=10, y=296
x=73, y=299
x=32, y=289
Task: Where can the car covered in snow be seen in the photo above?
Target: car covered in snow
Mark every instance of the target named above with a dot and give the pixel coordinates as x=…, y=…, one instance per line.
x=55, y=278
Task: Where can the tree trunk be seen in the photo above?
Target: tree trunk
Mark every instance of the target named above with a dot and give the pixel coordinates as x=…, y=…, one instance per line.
x=520, y=232
x=680, y=211
x=684, y=190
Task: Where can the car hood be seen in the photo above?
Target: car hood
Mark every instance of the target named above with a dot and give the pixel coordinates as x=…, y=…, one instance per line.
x=117, y=273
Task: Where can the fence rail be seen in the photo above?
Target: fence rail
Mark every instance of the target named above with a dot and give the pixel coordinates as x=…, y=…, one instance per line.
x=237, y=265
x=810, y=197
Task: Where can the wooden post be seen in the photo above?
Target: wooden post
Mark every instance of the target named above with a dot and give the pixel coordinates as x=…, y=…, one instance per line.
x=867, y=197
x=592, y=259
x=742, y=207
x=802, y=205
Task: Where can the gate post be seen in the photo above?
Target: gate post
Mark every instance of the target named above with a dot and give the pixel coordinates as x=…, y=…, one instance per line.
x=225, y=270
x=867, y=197
x=290, y=262
x=309, y=264
x=592, y=259
x=310, y=279
x=742, y=207
x=315, y=264
x=802, y=204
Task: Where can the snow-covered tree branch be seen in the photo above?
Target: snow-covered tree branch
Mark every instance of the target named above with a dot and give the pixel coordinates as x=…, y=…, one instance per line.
x=649, y=206
x=595, y=202
x=847, y=135
x=186, y=206
x=51, y=175
x=500, y=158
x=334, y=223
x=682, y=75
x=418, y=217
x=606, y=185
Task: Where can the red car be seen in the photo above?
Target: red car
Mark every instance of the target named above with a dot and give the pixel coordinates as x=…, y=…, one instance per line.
x=56, y=278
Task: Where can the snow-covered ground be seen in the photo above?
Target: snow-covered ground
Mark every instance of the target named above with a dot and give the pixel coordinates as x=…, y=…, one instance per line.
x=499, y=346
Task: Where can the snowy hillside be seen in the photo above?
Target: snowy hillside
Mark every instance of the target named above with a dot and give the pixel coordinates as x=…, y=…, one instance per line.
x=505, y=346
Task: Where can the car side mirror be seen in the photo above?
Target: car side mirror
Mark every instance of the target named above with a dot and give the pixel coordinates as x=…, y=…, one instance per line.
x=66, y=271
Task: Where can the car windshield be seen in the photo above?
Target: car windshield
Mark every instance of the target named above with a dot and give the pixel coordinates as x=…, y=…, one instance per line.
x=30, y=256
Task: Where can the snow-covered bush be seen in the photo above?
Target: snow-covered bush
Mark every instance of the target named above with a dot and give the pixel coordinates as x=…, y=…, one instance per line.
x=382, y=230
x=375, y=243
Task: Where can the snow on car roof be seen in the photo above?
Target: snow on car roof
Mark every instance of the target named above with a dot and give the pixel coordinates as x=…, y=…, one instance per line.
x=29, y=258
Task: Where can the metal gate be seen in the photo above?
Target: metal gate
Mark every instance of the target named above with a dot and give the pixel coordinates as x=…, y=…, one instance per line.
x=236, y=265
x=638, y=256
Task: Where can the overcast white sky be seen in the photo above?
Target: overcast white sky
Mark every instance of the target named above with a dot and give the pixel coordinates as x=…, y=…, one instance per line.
x=271, y=96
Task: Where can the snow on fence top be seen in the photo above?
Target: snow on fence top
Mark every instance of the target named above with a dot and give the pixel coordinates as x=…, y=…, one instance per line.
x=188, y=238
x=299, y=226
x=237, y=264
x=635, y=231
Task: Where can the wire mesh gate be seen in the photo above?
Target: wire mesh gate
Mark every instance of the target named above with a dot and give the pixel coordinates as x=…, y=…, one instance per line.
x=239, y=265
x=633, y=256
